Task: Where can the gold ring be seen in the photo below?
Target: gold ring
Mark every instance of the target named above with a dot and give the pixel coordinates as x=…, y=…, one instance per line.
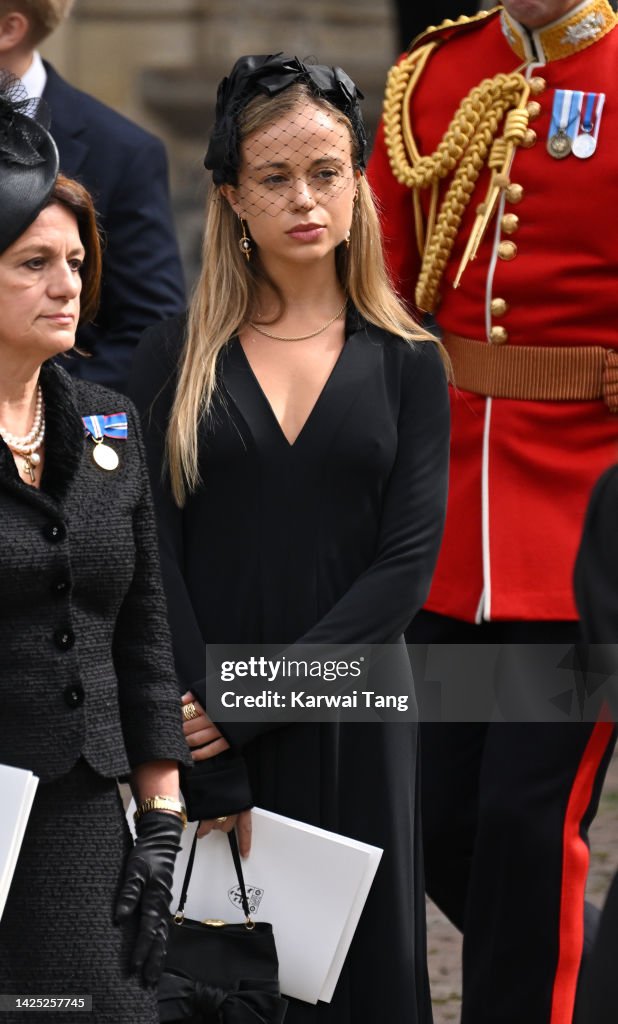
x=221, y=820
x=189, y=712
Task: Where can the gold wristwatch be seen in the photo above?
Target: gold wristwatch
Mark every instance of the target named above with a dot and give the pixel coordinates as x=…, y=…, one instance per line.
x=161, y=803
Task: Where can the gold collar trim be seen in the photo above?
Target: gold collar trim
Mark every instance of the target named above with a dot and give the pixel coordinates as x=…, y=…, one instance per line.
x=576, y=30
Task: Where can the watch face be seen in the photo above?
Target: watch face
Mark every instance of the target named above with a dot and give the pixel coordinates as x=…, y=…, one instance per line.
x=559, y=145
x=584, y=145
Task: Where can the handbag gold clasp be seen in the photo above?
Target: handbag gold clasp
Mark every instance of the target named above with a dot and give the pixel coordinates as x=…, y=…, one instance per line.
x=213, y=922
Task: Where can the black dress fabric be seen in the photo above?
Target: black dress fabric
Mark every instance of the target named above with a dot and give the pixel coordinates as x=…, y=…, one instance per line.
x=88, y=691
x=596, y=568
x=332, y=539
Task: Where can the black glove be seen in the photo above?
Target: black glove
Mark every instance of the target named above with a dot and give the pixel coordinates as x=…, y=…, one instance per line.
x=147, y=887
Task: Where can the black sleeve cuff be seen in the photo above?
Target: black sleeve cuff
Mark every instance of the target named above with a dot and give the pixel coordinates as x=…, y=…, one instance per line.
x=216, y=787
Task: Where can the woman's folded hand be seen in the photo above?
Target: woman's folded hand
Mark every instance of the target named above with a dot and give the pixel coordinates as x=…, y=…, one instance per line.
x=201, y=734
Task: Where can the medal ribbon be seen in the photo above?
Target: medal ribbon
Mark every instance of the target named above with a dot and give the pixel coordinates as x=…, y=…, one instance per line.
x=115, y=425
x=598, y=112
x=574, y=113
x=587, y=122
x=590, y=125
x=565, y=112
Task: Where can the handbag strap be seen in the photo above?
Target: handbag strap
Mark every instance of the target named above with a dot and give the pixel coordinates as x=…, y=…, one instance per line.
x=239, y=875
x=237, y=865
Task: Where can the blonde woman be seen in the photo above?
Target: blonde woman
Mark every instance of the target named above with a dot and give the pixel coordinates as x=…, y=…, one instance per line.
x=302, y=420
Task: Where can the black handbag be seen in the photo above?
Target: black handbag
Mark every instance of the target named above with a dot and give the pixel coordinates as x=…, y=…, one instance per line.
x=217, y=973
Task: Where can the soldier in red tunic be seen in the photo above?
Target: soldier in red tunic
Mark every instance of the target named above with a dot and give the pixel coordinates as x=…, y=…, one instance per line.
x=495, y=166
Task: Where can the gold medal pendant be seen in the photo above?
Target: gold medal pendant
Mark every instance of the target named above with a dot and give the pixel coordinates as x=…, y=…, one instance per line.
x=104, y=456
x=559, y=145
x=565, y=114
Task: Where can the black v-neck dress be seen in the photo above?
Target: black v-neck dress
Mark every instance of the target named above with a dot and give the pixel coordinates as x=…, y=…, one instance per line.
x=332, y=539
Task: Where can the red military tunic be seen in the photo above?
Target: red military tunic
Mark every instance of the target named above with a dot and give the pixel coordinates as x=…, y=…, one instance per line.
x=521, y=471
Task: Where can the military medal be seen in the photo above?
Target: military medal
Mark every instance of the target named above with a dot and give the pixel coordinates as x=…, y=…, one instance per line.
x=565, y=115
x=104, y=456
x=559, y=145
x=100, y=427
x=585, y=143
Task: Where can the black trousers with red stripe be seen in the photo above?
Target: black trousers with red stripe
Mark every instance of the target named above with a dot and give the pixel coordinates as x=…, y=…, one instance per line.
x=598, y=998
x=506, y=809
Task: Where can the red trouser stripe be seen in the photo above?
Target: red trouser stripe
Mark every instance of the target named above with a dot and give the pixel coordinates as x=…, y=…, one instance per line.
x=575, y=860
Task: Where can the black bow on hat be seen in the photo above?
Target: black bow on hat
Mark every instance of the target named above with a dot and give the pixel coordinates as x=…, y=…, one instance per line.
x=28, y=159
x=269, y=75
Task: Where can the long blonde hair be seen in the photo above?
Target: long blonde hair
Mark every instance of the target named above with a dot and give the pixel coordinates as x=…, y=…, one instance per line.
x=226, y=294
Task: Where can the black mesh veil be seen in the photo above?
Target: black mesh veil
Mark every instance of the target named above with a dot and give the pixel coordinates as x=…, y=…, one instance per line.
x=269, y=75
x=28, y=159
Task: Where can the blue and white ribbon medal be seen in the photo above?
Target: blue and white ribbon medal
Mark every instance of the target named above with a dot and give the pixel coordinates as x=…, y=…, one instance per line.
x=100, y=427
x=585, y=143
x=564, y=121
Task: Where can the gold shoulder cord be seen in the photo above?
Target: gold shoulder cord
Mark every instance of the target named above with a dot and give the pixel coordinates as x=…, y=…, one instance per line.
x=470, y=141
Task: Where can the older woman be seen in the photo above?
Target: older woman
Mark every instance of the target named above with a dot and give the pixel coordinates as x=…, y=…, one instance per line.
x=86, y=678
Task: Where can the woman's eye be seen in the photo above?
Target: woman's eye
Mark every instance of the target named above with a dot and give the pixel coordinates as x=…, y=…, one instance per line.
x=327, y=174
x=274, y=179
x=76, y=264
x=36, y=263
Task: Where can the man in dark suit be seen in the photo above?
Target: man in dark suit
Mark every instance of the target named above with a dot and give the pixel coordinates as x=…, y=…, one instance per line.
x=125, y=169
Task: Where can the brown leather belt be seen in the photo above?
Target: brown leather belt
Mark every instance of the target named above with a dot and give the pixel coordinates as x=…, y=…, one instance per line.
x=577, y=374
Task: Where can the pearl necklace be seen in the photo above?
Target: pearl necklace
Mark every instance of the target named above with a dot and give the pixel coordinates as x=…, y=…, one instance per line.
x=27, y=446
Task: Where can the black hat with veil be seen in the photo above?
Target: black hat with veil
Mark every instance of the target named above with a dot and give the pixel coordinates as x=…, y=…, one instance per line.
x=252, y=76
x=29, y=160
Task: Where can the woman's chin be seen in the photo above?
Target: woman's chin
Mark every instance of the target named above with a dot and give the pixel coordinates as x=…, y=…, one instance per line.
x=60, y=345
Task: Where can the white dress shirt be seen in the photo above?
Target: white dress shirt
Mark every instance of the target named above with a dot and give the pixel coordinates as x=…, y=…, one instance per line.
x=35, y=77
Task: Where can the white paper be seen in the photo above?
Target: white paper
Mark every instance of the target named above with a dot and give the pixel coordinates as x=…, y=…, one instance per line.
x=17, y=788
x=310, y=884
x=328, y=988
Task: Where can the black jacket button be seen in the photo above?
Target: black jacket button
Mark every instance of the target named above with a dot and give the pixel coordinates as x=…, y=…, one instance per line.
x=61, y=586
x=74, y=695
x=54, y=532
x=64, y=638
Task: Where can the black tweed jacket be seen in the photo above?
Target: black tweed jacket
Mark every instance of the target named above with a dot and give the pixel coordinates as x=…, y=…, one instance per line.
x=85, y=661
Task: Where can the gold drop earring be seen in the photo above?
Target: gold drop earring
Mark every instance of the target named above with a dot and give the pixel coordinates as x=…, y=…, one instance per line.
x=244, y=242
x=347, y=237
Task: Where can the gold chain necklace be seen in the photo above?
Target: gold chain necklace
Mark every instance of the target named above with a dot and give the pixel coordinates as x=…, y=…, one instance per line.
x=301, y=337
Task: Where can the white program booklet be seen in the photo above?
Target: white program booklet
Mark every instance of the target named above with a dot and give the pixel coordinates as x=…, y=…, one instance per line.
x=310, y=884
x=17, y=789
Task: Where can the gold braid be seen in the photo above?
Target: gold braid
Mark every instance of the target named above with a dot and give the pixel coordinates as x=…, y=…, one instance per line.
x=470, y=141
